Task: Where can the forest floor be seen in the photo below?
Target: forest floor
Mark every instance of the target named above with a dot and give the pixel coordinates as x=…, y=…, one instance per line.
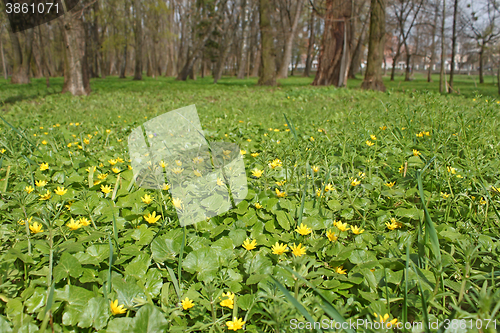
x=385, y=203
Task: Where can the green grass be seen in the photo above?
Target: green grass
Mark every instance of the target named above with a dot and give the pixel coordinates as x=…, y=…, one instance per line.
x=417, y=171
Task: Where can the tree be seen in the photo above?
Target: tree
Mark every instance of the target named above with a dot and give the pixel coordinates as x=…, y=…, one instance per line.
x=335, y=56
x=138, y=40
x=453, y=44
x=310, y=46
x=21, y=57
x=76, y=76
x=442, y=81
x=267, y=71
x=289, y=36
x=245, y=23
x=373, y=75
x=433, y=43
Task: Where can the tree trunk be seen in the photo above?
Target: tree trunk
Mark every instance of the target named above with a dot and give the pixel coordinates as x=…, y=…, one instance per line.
x=138, y=40
x=442, y=82
x=334, y=55
x=408, y=56
x=244, y=41
x=433, y=46
x=188, y=67
x=310, y=46
x=256, y=62
x=356, y=56
x=287, y=53
x=267, y=71
x=45, y=65
x=4, y=66
x=76, y=76
x=394, y=61
x=21, y=60
x=453, y=44
x=373, y=77
x=481, y=63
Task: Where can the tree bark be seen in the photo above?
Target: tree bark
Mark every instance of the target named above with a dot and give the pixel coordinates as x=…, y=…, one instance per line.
x=267, y=71
x=287, y=53
x=244, y=41
x=138, y=40
x=310, y=46
x=76, y=76
x=373, y=76
x=481, y=63
x=408, y=56
x=442, y=81
x=21, y=60
x=45, y=65
x=334, y=55
x=453, y=44
x=433, y=46
x=356, y=55
x=4, y=66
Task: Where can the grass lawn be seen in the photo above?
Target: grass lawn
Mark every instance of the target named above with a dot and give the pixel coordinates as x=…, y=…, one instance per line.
x=360, y=204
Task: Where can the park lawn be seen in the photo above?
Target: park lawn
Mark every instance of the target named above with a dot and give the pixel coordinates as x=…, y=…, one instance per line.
x=397, y=194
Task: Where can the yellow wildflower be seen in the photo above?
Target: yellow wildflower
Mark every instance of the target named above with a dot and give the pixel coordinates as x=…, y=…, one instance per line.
x=177, y=202
x=340, y=270
x=444, y=195
x=303, y=230
x=331, y=236
x=235, y=324
x=373, y=137
x=152, y=218
x=355, y=230
x=355, y=182
x=220, y=182
x=40, y=183
x=60, y=191
x=342, y=226
x=177, y=170
x=44, y=166
x=187, y=303
x=257, y=173
x=44, y=142
x=166, y=187
x=163, y=164
x=74, y=225
x=369, y=143
x=275, y=163
x=315, y=168
x=115, y=308
x=280, y=194
x=415, y=152
x=115, y=170
x=279, y=248
x=102, y=176
x=298, y=250
x=254, y=154
x=197, y=173
x=178, y=162
x=45, y=196
x=112, y=162
x=83, y=221
x=29, y=189
x=243, y=152
x=229, y=301
x=258, y=205
x=36, y=228
x=390, y=184
x=249, y=245
x=106, y=189
x=146, y=199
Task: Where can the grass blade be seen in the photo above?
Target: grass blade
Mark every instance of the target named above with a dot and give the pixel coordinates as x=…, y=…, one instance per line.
x=303, y=200
x=110, y=263
x=291, y=127
x=174, y=281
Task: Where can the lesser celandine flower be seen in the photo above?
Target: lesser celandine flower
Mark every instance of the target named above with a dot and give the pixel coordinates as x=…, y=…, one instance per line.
x=229, y=301
x=257, y=173
x=390, y=184
x=177, y=202
x=45, y=196
x=329, y=187
x=356, y=230
x=152, y=218
x=36, y=228
x=40, y=183
x=178, y=162
x=44, y=166
x=298, y=250
x=369, y=143
x=60, y=191
x=187, y=303
x=235, y=324
x=415, y=152
x=115, y=170
x=177, y=170
x=315, y=168
x=280, y=194
x=279, y=248
x=112, y=162
x=384, y=318
x=146, y=199
x=254, y=154
x=220, y=182
x=106, y=189
x=331, y=236
x=102, y=176
x=275, y=163
x=29, y=189
x=340, y=270
x=117, y=309
x=243, y=152
x=451, y=170
x=249, y=245
x=163, y=164
x=303, y=230
x=373, y=137
x=74, y=225
x=197, y=173
x=257, y=205
x=44, y=142
x=83, y=221
x=444, y=195
x=355, y=182
x=342, y=226
x=165, y=187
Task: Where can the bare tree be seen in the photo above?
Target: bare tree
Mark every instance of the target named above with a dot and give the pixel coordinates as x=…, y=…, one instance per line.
x=267, y=71
x=138, y=40
x=289, y=36
x=373, y=75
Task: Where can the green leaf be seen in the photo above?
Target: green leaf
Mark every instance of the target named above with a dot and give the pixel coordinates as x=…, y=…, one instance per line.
x=120, y=325
x=143, y=235
x=149, y=320
x=203, y=262
x=68, y=266
x=284, y=219
x=95, y=314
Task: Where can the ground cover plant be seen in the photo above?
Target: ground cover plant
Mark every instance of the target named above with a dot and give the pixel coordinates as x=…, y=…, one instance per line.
x=362, y=205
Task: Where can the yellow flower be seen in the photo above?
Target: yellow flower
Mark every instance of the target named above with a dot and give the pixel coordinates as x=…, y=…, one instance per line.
x=112, y=162
x=303, y=230
x=146, y=199
x=401, y=169
x=280, y=194
x=257, y=205
x=355, y=182
x=276, y=130
x=102, y=176
x=420, y=135
x=390, y=184
x=226, y=152
x=129, y=167
x=163, y=164
x=83, y=221
x=120, y=160
x=298, y=250
x=86, y=141
x=383, y=128
x=342, y=226
x=108, y=131
x=115, y=170
x=275, y=163
x=152, y=218
x=444, y=195
x=197, y=173
x=44, y=142
x=311, y=138
x=60, y=191
x=384, y=318
x=369, y=143
x=329, y=187
x=495, y=189
x=249, y=245
x=315, y=168
x=373, y=137
x=415, y=152
x=220, y=182
x=40, y=183
x=451, y=170
x=106, y=189
x=177, y=202
x=331, y=236
x=257, y=173
x=115, y=309
x=45, y=196
x=362, y=174
x=29, y=189
x=166, y=187
x=235, y=324
x=243, y=152
x=254, y=154
x=355, y=230
x=74, y=225
x=91, y=169
x=340, y=270
x=177, y=170
x=2, y=150
x=36, y=228
x=426, y=133
x=229, y=302
x=482, y=201
x=279, y=248
x=178, y=162
x=44, y=166
x=187, y=303
x=393, y=225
